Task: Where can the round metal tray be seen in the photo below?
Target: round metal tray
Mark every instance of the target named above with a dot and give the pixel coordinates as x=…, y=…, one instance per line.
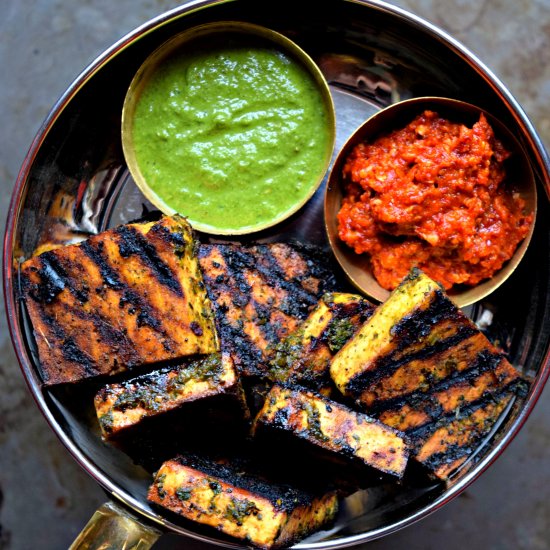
x=74, y=183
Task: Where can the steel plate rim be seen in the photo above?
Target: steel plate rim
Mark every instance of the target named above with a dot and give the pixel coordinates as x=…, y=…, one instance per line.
x=9, y=287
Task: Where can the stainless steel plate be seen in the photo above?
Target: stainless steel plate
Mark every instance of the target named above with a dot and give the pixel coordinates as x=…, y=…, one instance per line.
x=74, y=183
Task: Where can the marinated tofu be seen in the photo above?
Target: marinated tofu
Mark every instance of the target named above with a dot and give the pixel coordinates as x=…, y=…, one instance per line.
x=421, y=366
x=264, y=513
x=261, y=294
x=328, y=425
x=409, y=318
x=446, y=425
x=448, y=398
x=304, y=357
x=130, y=296
x=125, y=405
x=444, y=446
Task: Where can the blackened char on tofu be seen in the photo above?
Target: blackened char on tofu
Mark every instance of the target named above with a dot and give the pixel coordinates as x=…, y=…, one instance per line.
x=130, y=296
x=234, y=498
x=261, y=293
x=122, y=406
x=303, y=358
x=421, y=366
x=340, y=433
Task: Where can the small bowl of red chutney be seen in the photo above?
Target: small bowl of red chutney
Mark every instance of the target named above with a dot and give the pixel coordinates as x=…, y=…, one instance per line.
x=436, y=184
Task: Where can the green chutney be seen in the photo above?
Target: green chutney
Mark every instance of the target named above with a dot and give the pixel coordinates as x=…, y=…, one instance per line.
x=232, y=136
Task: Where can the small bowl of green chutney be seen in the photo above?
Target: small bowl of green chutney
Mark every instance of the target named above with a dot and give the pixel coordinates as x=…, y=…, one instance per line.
x=229, y=124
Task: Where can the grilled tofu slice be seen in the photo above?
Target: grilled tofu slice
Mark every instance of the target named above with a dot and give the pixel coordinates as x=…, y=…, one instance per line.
x=130, y=296
x=303, y=358
x=244, y=505
x=415, y=339
x=421, y=366
x=261, y=293
x=328, y=425
x=448, y=398
x=444, y=446
x=409, y=318
x=127, y=404
x=446, y=425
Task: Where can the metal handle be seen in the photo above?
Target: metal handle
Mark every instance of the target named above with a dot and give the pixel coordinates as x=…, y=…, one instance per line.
x=114, y=528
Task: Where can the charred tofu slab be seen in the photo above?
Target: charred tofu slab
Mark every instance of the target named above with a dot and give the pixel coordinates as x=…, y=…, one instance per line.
x=125, y=405
x=132, y=295
x=421, y=366
x=303, y=358
x=446, y=425
x=443, y=446
x=261, y=293
x=244, y=505
x=333, y=427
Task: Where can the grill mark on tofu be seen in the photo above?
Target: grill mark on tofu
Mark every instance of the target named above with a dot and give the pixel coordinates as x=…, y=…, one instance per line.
x=131, y=242
x=240, y=262
x=146, y=313
x=169, y=237
x=333, y=427
x=301, y=299
x=419, y=324
x=260, y=258
x=69, y=350
x=108, y=274
x=442, y=417
x=96, y=312
x=257, y=301
x=434, y=412
x=52, y=279
x=387, y=365
x=108, y=335
x=450, y=443
x=241, y=502
x=481, y=362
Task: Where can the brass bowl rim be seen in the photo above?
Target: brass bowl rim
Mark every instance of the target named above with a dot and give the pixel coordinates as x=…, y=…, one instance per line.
x=356, y=266
x=174, y=44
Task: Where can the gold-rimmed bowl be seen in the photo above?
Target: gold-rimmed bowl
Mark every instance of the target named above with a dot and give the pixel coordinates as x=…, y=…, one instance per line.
x=216, y=35
x=519, y=176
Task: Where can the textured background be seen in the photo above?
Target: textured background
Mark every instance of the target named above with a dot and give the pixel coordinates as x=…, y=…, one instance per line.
x=45, y=498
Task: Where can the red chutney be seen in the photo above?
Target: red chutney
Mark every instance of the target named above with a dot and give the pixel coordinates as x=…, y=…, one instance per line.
x=430, y=195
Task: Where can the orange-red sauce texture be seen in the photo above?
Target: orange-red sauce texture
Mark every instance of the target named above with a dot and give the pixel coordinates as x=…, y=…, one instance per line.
x=431, y=195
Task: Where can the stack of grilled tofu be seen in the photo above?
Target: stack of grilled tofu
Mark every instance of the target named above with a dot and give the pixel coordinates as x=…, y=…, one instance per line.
x=421, y=366
x=259, y=334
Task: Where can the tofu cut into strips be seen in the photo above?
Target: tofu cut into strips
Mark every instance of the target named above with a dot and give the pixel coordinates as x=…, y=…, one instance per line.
x=261, y=293
x=442, y=447
x=421, y=366
x=130, y=296
x=127, y=404
x=242, y=504
x=334, y=428
x=304, y=356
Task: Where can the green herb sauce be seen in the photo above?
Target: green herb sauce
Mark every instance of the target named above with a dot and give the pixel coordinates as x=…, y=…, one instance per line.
x=231, y=137
x=184, y=493
x=237, y=510
x=338, y=333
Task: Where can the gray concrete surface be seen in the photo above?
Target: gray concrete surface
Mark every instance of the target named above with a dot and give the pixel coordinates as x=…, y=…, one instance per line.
x=45, y=498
